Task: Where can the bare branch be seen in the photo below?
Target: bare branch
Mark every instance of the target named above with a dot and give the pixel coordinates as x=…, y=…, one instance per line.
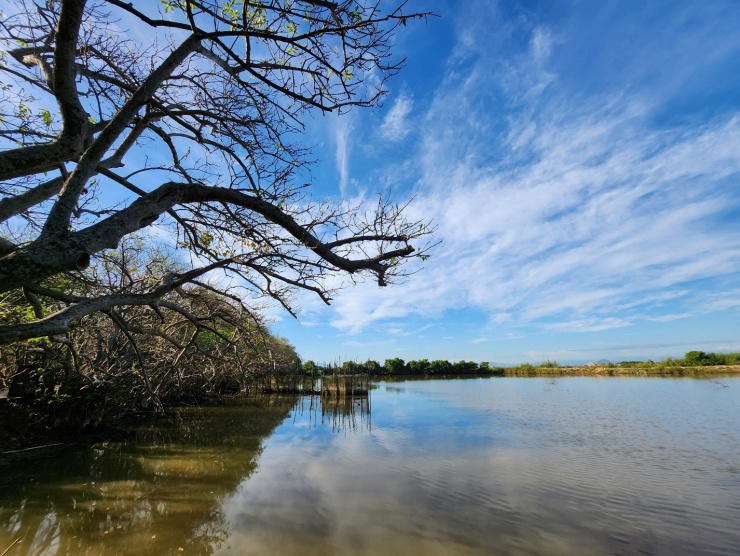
x=34, y=158
x=211, y=106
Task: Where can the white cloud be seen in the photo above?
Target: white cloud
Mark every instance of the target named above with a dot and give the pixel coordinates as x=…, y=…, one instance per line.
x=727, y=347
x=590, y=325
x=669, y=318
x=723, y=304
x=541, y=46
x=396, y=125
x=566, y=216
x=342, y=128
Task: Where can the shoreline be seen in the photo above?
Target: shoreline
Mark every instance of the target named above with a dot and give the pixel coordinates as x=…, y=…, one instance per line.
x=656, y=369
x=20, y=443
x=653, y=370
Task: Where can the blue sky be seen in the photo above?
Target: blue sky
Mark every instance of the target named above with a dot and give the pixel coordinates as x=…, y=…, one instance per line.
x=582, y=163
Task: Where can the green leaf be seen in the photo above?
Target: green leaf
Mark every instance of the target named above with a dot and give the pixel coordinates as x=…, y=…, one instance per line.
x=46, y=116
x=206, y=238
x=355, y=16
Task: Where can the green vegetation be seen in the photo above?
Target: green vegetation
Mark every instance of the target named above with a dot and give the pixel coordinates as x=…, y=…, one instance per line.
x=194, y=343
x=693, y=361
x=702, y=359
x=399, y=367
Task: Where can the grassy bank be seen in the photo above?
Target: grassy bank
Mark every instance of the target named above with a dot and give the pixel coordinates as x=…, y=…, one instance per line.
x=617, y=369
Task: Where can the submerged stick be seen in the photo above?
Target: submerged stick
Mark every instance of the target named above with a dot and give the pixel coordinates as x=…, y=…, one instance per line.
x=28, y=450
x=16, y=541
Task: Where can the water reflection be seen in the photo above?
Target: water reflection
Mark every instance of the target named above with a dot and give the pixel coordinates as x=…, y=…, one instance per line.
x=490, y=466
x=343, y=414
x=505, y=466
x=154, y=493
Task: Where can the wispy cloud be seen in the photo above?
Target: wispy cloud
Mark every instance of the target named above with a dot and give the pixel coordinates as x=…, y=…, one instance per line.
x=577, y=214
x=590, y=325
x=669, y=318
x=726, y=303
x=727, y=347
x=342, y=129
x=396, y=124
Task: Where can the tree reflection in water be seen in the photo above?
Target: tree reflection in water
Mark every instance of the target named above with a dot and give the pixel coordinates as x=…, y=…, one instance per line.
x=157, y=492
x=481, y=466
x=344, y=414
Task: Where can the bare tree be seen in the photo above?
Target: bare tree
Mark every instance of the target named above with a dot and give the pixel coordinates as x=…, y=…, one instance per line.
x=195, y=341
x=197, y=129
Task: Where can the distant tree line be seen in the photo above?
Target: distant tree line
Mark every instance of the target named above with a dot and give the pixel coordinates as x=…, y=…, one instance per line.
x=399, y=367
x=441, y=367
x=690, y=359
x=704, y=359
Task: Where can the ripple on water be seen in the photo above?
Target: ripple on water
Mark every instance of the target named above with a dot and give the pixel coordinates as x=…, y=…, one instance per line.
x=512, y=466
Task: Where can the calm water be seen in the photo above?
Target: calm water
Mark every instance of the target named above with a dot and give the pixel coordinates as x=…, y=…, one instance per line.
x=479, y=466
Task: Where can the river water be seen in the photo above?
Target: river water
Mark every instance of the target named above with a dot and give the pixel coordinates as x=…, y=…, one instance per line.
x=576, y=465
